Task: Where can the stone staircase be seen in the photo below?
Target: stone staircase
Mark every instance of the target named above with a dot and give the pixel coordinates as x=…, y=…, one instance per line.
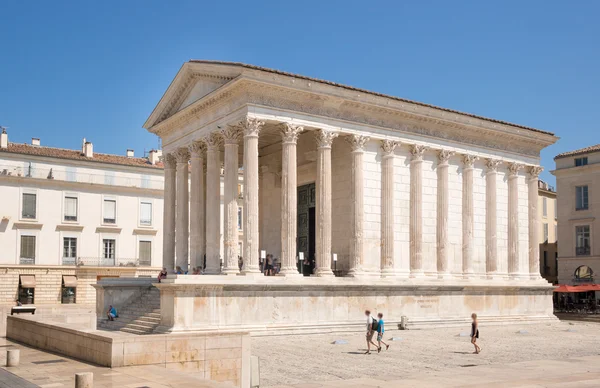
x=139, y=316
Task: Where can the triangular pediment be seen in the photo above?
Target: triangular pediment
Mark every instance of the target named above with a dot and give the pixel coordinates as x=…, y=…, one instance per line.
x=198, y=89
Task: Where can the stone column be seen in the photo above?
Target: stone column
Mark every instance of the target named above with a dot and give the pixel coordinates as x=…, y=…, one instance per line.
x=388, y=267
x=197, y=216
x=231, y=138
x=513, y=219
x=289, y=199
x=251, y=128
x=323, y=211
x=169, y=213
x=357, y=210
x=213, y=204
x=183, y=207
x=534, y=222
x=491, y=245
x=442, y=214
x=467, y=215
x=416, y=210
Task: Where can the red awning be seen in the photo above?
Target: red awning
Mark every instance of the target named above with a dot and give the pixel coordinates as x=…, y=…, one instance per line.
x=581, y=288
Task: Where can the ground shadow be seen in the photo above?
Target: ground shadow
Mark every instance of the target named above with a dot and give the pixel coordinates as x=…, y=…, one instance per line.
x=355, y=352
x=463, y=352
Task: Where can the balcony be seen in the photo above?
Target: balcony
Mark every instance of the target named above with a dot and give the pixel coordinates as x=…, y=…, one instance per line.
x=582, y=251
x=105, y=262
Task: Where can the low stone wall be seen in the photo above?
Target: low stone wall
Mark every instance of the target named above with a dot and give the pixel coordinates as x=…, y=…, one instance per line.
x=78, y=314
x=217, y=357
x=119, y=292
x=283, y=305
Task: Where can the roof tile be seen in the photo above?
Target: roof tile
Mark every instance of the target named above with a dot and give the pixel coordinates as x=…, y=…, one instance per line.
x=581, y=151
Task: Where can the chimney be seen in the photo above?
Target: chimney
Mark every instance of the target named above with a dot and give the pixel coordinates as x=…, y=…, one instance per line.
x=88, y=149
x=3, y=139
x=35, y=141
x=154, y=155
x=129, y=153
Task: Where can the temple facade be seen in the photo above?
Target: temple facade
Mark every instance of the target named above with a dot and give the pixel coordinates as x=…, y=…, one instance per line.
x=392, y=188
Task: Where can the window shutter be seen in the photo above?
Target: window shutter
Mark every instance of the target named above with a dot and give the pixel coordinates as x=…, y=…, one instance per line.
x=28, y=247
x=145, y=251
x=145, y=213
x=71, y=208
x=28, y=205
x=110, y=209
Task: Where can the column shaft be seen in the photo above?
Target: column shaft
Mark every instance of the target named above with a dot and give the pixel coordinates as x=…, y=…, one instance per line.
x=467, y=215
x=357, y=205
x=534, y=222
x=416, y=210
x=182, y=227
x=388, y=265
x=513, y=219
x=251, y=247
x=289, y=200
x=323, y=216
x=442, y=214
x=213, y=205
x=491, y=245
x=169, y=213
x=231, y=238
x=197, y=215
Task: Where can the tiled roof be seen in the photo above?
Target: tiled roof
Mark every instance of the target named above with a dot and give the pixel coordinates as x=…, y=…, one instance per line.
x=581, y=151
x=253, y=67
x=26, y=149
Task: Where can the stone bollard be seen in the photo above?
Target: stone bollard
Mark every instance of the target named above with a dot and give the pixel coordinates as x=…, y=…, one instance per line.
x=12, y=357
x=84, y=380
x=404, y=322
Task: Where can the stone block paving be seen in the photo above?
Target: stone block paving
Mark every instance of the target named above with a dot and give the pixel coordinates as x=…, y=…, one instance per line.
x=47, y=370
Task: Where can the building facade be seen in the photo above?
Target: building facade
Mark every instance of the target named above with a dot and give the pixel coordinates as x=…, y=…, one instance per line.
x=548, y=231
x=403, y=192
x=578, y=187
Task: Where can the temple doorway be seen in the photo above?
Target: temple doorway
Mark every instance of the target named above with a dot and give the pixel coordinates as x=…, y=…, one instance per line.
x=306, y=228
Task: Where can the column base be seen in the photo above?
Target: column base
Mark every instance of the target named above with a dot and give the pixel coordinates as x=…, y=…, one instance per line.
x=357, y=273
x=212, y=271
x=496, y=276
x=445, y=275
x=393, y=273
x=289, y=272
x=518, y=276
x=468, y=275
x=251, y=271
x=323, y=272
x=417, y=274
x=230, y=271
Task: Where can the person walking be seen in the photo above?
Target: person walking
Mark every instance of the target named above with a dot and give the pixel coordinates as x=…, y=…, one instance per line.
x=269, y=265
x=372, y=325
x=475, y=333
x=380, y=331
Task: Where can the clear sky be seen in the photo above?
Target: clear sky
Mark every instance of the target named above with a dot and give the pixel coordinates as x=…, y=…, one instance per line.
x=74, y=69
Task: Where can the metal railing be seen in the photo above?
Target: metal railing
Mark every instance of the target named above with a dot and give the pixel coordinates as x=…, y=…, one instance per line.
x=139, y=181
x=26, y=261
x=105, y=262
x=582, y=251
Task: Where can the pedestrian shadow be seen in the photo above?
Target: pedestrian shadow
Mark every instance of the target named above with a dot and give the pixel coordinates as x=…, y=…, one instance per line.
x=463, y=352
x=355, y=352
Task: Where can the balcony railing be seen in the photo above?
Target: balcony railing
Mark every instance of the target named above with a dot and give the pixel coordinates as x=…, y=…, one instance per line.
x=105, y=262
x=582, y=251
x=26, y=261
x=136, y=180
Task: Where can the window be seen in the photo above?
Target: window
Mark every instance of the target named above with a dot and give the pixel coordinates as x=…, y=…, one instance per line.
x=581, y=161
x=70, y=208
x=546, y=263
x=145, y=254
x=545, y=206
x=69, y=250
x=26, y=289
x=545, y=232
x=29, y=206
x=146, y=213
x=108, y=248
x=110, y=211
x=69, y=289
x=581, y=193
x=240, y=212
x=582, y=234
x=27, y=250
x=584, y=272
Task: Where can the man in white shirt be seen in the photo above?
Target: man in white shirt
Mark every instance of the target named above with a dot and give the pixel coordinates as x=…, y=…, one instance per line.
x=370, y=331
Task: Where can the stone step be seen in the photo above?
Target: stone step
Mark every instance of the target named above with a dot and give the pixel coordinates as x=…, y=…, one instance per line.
x=134, y=331
x=148, y=319
x=143, y=327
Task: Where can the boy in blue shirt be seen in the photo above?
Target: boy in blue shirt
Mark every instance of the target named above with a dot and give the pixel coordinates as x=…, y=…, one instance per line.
x=380, y=331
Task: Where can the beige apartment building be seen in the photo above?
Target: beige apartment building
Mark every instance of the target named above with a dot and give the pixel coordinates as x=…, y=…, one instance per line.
x=578, y=187
x=548, y=231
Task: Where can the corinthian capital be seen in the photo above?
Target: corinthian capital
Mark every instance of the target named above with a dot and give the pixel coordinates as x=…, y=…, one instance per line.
x=469, y=160
x=388, y=146
x=492, y=164
x=290, y=132
x=444, y=156
x=197, y=149
x=513, y=168
x=213, y=141
x=357, y=142
x=325, y=138
x=417, y=151
x=182, y=155
x=169, y=161
x=535, y=171
x=231, y=134
x=250, y=126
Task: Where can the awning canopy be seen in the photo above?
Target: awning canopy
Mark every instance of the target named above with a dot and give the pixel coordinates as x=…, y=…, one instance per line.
x=27, y=281
x=581, y=288
x=69, y=281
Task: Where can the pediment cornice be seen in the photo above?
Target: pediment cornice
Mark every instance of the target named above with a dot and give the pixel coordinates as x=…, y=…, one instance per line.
x=376, y=111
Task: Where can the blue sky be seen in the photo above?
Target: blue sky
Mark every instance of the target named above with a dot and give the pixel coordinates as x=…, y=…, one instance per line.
x=74, y=69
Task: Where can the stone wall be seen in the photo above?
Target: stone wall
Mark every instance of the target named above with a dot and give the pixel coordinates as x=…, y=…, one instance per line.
x=218, y=357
